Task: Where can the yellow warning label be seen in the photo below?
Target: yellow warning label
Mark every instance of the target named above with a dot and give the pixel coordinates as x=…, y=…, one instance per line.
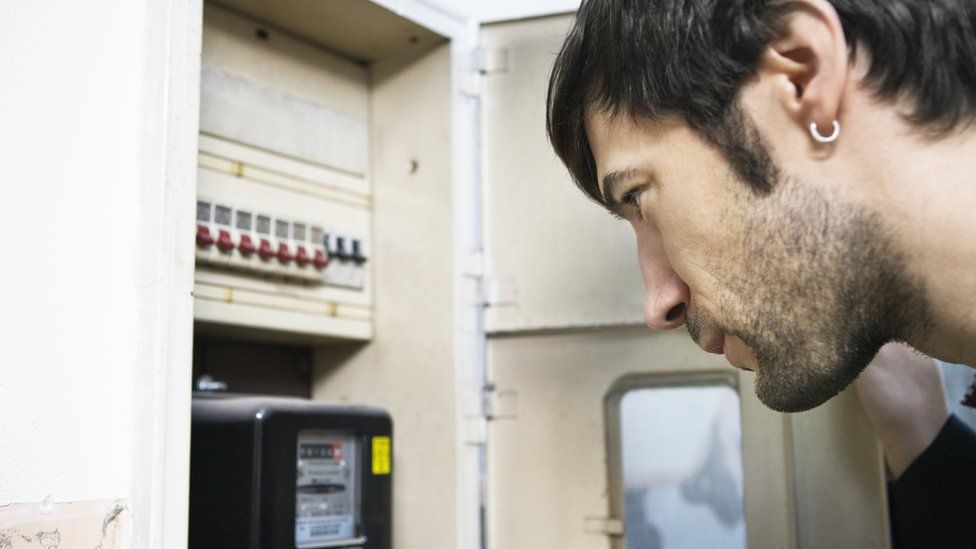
x=381, y=455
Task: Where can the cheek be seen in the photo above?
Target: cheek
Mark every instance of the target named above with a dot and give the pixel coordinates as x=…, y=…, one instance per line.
x=697, y=238
x=692, y=226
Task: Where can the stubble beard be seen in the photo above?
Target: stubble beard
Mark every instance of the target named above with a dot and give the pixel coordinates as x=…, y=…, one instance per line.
x=814, y=287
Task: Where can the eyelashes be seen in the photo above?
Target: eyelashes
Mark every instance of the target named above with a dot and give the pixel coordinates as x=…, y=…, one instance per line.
x=632, y=200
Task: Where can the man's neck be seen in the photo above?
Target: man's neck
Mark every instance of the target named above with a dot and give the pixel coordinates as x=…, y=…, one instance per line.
x=927, y=195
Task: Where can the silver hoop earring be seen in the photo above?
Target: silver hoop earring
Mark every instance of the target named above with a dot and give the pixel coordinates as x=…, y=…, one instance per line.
x=822, y=139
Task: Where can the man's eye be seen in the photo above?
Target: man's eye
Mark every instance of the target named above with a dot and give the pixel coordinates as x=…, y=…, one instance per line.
x=632, y=199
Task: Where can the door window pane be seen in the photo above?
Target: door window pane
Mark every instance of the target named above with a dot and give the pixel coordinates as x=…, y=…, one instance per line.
x=957, y=380
x=682, y=467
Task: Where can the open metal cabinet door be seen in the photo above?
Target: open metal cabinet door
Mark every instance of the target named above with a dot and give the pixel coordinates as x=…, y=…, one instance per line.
x=553, y=465
x=566, y=346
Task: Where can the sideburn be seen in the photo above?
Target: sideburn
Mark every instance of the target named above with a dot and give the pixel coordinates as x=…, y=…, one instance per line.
x=743, y=147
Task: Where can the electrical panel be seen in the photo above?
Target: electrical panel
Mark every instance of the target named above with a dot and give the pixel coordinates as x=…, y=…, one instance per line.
x=284, y=204
x=272, y=245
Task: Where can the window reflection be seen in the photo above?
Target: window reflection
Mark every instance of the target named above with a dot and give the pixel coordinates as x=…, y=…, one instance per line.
x=957, y=380
x=682, y=467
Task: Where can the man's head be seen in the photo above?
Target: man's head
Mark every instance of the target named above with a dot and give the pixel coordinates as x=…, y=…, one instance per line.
x=691, y=120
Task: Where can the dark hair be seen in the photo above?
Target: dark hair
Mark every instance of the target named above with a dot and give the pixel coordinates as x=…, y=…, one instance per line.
x=689, y=59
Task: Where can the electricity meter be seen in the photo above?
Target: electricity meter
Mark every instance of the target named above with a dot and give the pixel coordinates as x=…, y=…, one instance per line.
x=289, y=473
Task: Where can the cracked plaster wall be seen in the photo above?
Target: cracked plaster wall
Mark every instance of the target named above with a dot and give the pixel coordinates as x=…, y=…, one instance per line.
x=79, y=525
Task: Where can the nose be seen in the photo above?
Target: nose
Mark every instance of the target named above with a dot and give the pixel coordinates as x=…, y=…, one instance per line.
x=666, y=296
x=666, y=301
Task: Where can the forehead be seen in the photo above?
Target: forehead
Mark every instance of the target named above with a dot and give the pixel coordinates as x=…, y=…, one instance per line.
x=610, y=134
x=621, y=142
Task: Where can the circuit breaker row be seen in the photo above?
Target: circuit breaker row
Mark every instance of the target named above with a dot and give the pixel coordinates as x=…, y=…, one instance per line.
x=268, y=245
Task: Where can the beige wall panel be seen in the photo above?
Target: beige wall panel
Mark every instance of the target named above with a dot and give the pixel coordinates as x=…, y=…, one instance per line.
x=767, y=463
x=555, y=258
x=303, y=69
x=551, y=395
x=409, y=367
x=314, y=105
x=340, y=25
x=840, y=486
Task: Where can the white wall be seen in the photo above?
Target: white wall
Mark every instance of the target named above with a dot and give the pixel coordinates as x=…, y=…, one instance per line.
x=88, y=292
x=69, y=167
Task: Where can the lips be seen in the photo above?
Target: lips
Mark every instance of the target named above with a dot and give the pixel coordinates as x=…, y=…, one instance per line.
x=713, y=343
x=738, y=354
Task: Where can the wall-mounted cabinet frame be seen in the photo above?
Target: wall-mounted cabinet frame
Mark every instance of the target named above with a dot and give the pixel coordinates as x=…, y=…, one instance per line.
x=446, y=40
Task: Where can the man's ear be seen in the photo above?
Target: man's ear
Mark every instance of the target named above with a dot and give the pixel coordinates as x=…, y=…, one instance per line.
x=809, y=57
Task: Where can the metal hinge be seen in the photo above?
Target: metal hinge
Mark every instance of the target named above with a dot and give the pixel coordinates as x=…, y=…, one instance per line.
x=492, y=61
x=499, y=292
x=473, y=264
x=475, y=430
x=499, y=403
x=606, y=526
x=479, y=64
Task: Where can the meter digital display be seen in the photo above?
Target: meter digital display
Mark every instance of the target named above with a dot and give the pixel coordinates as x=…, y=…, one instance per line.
x=320, y=451
x=326, y=488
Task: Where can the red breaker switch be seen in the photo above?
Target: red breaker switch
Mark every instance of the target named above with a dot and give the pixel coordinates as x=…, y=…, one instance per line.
x=204, y=240
x=246, y=246
x=224, y=241
x=302, y=257
x=284, y=255
x=264, y=250
x=320, y=260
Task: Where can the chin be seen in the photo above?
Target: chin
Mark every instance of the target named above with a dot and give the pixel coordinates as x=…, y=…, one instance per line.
x=804, y=387
x=800, y=403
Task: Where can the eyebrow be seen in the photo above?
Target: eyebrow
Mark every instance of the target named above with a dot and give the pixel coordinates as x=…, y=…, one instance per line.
x=610, y=183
